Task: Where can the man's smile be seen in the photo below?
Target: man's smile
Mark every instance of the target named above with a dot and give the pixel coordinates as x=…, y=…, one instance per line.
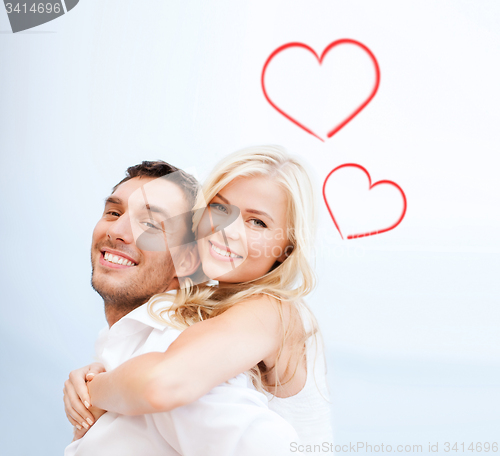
x=115, y=259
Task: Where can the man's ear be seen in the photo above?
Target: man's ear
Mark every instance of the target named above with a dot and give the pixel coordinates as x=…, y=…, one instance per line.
x=187, y=260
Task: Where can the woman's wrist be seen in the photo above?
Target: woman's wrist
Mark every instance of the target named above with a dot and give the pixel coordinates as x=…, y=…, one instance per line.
x=95, y=386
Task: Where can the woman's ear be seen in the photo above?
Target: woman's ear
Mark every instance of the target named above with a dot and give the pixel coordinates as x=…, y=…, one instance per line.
x=187, y=260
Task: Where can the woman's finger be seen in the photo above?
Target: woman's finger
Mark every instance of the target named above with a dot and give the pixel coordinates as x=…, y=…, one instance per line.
x=77, y=406
x=79, y=383
x=93, y=370
x=75, y=423
x=73, y=417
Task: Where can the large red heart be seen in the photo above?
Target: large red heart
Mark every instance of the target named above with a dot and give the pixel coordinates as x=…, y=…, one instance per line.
x=320, y=60
x=382, y=182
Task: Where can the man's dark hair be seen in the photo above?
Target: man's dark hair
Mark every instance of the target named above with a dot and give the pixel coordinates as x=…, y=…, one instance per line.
x=187, y=183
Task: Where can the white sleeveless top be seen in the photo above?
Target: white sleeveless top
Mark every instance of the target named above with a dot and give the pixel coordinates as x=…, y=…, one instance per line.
x=309, y=411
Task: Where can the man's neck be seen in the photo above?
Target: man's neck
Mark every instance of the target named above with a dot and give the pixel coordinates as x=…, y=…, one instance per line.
x=116, y=311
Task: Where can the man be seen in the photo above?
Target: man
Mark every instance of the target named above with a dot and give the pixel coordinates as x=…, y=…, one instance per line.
x=148, y=209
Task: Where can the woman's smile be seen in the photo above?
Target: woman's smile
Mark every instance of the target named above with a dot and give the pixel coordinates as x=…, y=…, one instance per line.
x=222, y=253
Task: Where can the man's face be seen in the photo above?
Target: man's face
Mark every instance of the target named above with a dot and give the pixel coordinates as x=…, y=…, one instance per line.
x=122, y=273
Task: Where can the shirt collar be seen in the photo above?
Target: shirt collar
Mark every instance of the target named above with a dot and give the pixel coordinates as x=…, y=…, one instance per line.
x=141, y=315
x=127, y=324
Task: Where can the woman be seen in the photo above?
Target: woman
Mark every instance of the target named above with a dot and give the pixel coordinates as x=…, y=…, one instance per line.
x=253, y=321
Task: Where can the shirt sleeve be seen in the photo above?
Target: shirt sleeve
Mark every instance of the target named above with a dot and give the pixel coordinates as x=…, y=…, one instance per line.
x=231, y=420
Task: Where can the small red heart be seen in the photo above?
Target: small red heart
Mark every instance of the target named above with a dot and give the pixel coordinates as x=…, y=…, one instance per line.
x=388, y=182
x=320, y=60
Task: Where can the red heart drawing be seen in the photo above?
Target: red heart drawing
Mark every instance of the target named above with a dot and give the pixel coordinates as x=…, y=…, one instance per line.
x=320, y=60
x=388, y=182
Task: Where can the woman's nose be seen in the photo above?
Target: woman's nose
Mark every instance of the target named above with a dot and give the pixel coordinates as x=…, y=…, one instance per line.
x=234, y=230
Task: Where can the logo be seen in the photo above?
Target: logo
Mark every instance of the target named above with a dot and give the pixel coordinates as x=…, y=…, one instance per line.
x=28, y=14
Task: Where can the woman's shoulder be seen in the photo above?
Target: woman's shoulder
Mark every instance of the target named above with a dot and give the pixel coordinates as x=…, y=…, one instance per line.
x=278, y=312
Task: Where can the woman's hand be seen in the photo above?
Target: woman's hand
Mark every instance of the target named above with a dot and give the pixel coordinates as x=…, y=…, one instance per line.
x=77, y=404
x=78, y=433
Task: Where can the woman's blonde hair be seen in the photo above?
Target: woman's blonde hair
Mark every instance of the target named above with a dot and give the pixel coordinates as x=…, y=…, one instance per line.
x=289, y=281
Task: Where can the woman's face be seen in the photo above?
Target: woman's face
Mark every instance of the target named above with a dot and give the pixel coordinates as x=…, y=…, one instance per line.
x=247, y=247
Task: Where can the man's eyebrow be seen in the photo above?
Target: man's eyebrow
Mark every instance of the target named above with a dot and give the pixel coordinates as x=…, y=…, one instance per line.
x=112, y=200
x=148, y=207
x=157, y=210
x=252, y=211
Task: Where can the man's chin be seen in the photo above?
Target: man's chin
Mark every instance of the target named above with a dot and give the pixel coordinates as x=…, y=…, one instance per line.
x=117, y=277
x=114, y=296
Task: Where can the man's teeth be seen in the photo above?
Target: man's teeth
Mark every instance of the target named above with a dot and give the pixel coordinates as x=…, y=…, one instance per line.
x=117, y=259
x=224, y=252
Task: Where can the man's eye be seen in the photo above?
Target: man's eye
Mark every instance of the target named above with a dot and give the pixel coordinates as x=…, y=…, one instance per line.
x=113, y=213
x=257, y=222
x=151, y=225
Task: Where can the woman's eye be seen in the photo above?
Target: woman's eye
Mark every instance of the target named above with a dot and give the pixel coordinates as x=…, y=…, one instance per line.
x=257, y=222
x=219, y=207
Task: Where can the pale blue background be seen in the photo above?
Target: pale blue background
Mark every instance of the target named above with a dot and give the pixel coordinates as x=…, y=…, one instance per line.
x=411, y=318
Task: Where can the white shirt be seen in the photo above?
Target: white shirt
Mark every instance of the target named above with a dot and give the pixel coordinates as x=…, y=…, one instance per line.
x=233, y=419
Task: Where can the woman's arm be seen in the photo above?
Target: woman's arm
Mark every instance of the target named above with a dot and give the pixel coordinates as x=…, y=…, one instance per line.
x=203, y=356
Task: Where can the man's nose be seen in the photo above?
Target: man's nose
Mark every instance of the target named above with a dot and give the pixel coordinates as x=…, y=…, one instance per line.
x=121, y=230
